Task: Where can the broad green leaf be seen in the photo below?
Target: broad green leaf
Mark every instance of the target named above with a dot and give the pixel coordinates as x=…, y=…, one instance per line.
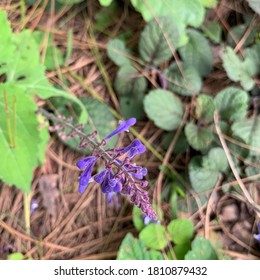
x=213, y=31
x=132, y=106
x=189, y=84
x=158, y=41
x=202, y=179
x=254, y=5
x=181, y=231
x=105, y=2
x=180, y=250
x=164, y=108
x=117, y=52
x=129, y=81
x=154, y=236
x=238, y=70
x=249, y=131
x=197, y=53
x=20, y=160
x=199, y=137
x=205, y=108
x=134, y=249
x=232, y=103
x=201, y=250
x=100, y=119
x=209, y=3
x=216, y=160
x=137, y=218
x=238, y=32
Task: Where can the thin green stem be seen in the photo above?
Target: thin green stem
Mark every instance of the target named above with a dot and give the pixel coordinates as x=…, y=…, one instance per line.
x=27, y=214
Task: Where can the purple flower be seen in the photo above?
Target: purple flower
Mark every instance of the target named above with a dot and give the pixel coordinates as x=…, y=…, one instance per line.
x=257, y=236
x=136, y=147
x=147, y=220
x=87, y=165
x=34, y=205
x=123, y=126
x=110, y=183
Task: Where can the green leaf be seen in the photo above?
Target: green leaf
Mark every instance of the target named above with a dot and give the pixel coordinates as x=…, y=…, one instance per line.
x=19, y=161
x=201, y=250
x=129, y=82
x=238, y=31
x=134, y=249
x=198, y=137
x=213, y=31
x=181, y=250
x=253, y=167
x=156, y=41
x=132, y=106
x=181, y=231
x=100, y=119
x=188, y=85
x=154, y=236
x=205, y=108
x=137, y=218
x=15, y=257
x=232, y=103
x=216, y=160
x=164, y=108
x=117, y=52
x=254, y=5
x=209, y=3
x=249, y=131
x=202, y=179
x=197, y=53
x=105, y=2
x=238, y=70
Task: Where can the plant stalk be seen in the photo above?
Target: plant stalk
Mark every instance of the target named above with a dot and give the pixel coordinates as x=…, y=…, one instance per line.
x=27, y=214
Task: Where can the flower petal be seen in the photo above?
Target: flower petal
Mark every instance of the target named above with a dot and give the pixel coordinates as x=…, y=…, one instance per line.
x=123, y=126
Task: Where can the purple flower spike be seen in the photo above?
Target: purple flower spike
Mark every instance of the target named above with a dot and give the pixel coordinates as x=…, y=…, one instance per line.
x=136, y=147
x=123, y=126
x=85, y=176
x=257, y=236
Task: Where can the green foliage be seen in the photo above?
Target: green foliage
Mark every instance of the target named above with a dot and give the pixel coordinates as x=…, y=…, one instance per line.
x=154, y=236
x=181, y=231
x=117, y=52
x=134, y=249
x=205, y=108
x=197, y=53
x=238, y=32
x=232, y=103
x=212, y=30
x=137, y=218
x=238, y=70
x=105, y=2
x=186, y=82
x=198, y=137
x=15, y=257
x=201, y=250
x=209, y=3
x=158, y=41
x=164, y=108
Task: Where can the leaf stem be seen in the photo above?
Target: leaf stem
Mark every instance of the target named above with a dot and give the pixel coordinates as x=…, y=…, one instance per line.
x=27, y=214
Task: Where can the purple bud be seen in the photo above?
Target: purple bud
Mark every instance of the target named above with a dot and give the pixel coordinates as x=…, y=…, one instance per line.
x=123, y=126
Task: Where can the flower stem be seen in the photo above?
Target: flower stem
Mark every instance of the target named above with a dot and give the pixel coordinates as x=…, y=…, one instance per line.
x=27, y=217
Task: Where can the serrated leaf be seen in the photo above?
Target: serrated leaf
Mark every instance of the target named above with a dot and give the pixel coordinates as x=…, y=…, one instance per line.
x=132, y=106
x=164, y=108
x=197, y=53
x=154, y=236
x=238, y=70
x=213, y=31
x=201, y=250
x=181, y=231
x=232, y=103
x=117, y=52
x=156, y=41
x=215, y=160
x=198, y=137
x=189, y=84
x=19, y=161
x=249, y=131
x=205, y=107
x=129, y=81
x=134, y=249
x=202, y=179
x=254, y=5
x=100, y=119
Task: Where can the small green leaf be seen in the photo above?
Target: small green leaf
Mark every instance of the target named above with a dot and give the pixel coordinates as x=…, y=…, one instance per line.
x=189, y=84
x=134, y=249
x=164, y=108
x=105, y=2
x=238, y=70
x=105, y=16
x=253, y=167
x=181, y=231
x=15, y=257
x=213, y=31
x=216, y=160
x=205, y=108
x=137, y=218
x=156, y=41
x=181, y=250
x=201, y=250
x=132, y=106
x=199, y=137
x=232, y=103
x=197, y=53
x=129, y=81
x=117, y=52
x=154, y=236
